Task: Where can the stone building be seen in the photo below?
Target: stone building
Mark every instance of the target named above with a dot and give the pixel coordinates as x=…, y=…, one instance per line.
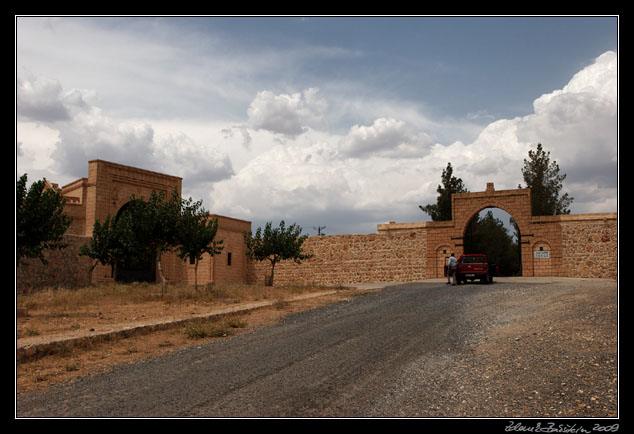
x=582, y=245
x=106, y=191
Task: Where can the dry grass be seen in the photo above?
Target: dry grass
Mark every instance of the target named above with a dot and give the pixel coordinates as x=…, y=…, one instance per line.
x=64, y=301
x=98, y=308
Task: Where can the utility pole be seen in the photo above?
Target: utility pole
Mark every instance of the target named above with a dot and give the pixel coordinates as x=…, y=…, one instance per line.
x=318, y=229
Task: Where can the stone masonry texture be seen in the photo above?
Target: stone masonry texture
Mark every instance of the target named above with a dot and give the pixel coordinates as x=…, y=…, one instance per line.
x=341, y=259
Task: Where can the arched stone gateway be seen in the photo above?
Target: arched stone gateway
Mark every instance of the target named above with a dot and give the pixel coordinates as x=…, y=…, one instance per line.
x=465, y=206
x=144, y=267
x=107, y=191
x=582, y=245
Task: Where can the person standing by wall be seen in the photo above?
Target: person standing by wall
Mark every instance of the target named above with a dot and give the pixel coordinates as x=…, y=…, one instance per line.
x=452, y=266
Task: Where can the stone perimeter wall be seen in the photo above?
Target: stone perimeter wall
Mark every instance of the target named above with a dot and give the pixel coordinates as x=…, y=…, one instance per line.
x=65, y=269
x=341, y=259
x=589, y=249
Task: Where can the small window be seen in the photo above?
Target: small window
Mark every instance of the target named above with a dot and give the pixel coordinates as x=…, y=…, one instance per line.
x=229, y=258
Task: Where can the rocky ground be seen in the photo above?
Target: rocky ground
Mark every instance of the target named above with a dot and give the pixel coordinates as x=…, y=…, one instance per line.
x=548, y=350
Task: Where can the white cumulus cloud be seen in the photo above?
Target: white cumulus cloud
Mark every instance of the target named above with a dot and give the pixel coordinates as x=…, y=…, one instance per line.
x=385, y=137
x=79, y=131
x=287, y=114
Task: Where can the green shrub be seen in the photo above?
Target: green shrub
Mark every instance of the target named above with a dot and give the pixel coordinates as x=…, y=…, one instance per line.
x=201, y=330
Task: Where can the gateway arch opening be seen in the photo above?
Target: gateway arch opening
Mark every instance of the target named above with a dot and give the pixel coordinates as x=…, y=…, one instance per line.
x=139, y=262
x=493, y=232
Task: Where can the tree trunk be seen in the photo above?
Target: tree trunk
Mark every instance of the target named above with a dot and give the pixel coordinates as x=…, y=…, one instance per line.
x=270, y=282
x=160, y=270
x=113, y=275
x=196, y=276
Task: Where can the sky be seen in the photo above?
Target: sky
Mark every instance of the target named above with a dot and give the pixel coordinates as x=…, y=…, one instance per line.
x=341, y=123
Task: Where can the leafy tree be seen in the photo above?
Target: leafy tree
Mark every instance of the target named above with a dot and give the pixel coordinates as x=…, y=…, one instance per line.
x=196, y=234
x=120, y=241
x=159, y=220
x=276, y=245
x=441, y=210
x=543, y=178
x=40, y=220
x=104, y=246
x=145, y=230
x=517, y=236
x=141, y=233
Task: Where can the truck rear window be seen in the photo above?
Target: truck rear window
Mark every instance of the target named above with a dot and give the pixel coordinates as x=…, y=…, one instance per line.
x=473, y=260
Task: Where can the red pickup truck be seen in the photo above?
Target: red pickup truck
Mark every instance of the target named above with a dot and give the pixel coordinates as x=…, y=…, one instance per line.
x=475, y=266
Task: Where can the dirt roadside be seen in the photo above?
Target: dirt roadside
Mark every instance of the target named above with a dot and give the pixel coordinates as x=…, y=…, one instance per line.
x=90, y=357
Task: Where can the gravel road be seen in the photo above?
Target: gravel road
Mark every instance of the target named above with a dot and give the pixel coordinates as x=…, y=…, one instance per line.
x=514, y=348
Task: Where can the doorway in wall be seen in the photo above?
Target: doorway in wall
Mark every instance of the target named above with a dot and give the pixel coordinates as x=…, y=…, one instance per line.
x=140, y=263
x=493, y=231
x=442, y=254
